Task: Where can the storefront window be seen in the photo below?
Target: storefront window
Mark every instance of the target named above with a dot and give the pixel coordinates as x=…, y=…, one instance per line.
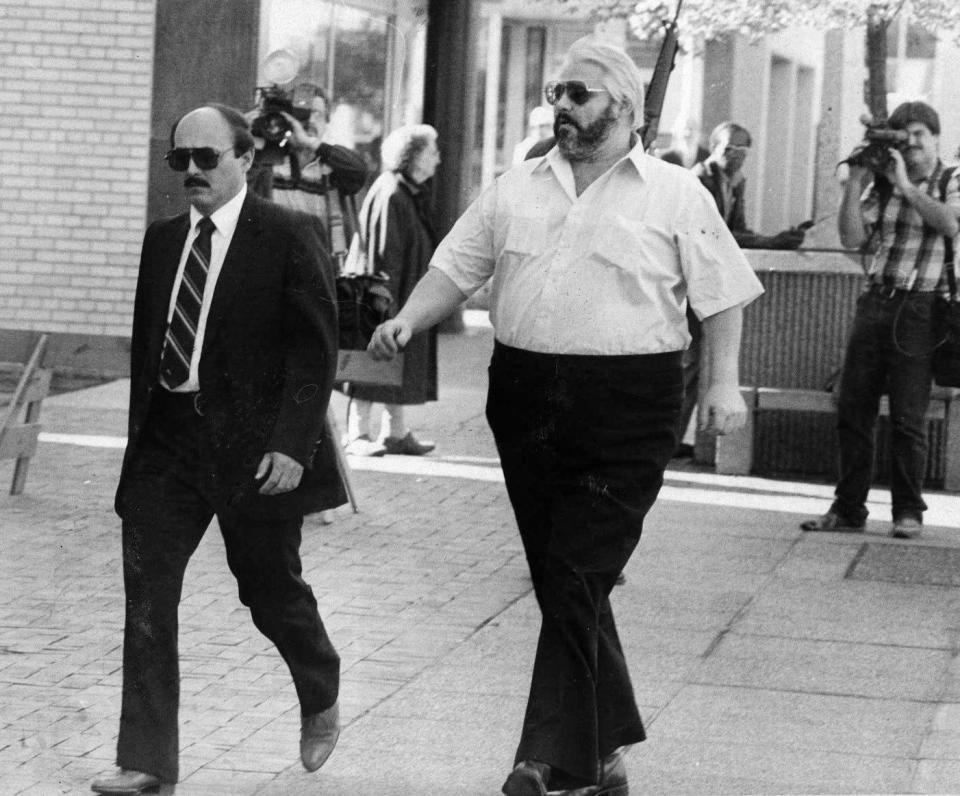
x=910, y=53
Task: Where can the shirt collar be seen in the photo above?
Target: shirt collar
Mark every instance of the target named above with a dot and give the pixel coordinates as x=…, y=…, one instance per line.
x=224, y=219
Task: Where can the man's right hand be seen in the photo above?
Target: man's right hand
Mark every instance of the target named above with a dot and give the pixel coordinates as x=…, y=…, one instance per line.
x=389, y=338
x=301, y=138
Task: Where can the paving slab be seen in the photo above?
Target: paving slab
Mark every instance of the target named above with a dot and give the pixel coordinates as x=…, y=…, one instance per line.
x=765, y=660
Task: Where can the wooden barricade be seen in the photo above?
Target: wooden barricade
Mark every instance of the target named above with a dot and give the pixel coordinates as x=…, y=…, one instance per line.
x=33, y=357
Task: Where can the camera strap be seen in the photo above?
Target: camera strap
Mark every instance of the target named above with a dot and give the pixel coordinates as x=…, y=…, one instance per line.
x=948, y=253
x=295, y=171
x=335, y=223
x=940, y=178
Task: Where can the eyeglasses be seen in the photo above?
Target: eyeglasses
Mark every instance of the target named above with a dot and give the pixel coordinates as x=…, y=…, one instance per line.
x=732, y=149
x=578, y=91
x=205, y=157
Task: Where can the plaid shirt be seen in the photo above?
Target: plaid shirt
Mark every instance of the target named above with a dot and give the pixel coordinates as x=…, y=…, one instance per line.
x=909, y=254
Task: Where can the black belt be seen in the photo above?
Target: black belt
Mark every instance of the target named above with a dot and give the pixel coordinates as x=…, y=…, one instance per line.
x=892, y=292
x=179, y=403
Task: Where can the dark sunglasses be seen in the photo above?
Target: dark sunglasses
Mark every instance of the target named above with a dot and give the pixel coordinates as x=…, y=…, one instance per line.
x=577, y=90
x=205, y=157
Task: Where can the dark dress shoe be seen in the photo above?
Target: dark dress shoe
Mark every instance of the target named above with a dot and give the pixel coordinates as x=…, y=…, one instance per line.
x=408, y=445
x=318, y=736
x=831, y=521
x=129, y=783
x=528, y=778
x=613, y=779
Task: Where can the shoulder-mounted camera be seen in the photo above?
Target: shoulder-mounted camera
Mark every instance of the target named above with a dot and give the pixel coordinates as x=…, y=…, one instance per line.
x=280, y=68
x=875, y=154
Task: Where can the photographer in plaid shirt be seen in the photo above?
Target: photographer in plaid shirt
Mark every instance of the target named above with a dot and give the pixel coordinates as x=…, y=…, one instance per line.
x=902, y=218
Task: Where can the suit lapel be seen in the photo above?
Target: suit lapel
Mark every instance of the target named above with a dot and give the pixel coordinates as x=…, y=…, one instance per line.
x=235, y=264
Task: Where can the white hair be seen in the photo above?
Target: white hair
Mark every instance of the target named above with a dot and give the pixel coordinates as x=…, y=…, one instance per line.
x=401, y=147
x=623, y=79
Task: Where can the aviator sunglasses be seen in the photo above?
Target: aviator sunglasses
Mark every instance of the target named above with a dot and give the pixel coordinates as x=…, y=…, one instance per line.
x=205, y=157
x=578, y=91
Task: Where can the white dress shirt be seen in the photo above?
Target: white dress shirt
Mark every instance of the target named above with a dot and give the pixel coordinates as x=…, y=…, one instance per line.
x=607, y=272
x=225, y=219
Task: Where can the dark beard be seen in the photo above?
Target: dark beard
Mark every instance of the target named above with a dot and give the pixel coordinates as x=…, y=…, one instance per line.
x=580, y=143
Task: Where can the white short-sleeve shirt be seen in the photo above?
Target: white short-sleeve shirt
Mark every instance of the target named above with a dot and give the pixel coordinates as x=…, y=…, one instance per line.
x=607, y=272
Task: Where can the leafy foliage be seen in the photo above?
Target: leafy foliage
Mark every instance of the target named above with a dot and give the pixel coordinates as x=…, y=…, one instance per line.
x=709, y=19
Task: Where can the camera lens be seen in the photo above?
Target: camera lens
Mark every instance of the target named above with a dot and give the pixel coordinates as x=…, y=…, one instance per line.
x=272, y=127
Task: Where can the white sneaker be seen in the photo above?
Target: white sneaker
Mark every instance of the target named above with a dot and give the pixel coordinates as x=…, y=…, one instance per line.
x=364, y=446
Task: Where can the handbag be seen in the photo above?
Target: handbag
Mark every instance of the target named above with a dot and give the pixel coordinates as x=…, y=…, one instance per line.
x=364, y=300
x=946, y=357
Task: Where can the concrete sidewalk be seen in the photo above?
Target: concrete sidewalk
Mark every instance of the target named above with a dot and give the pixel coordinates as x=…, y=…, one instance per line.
x=765, y=660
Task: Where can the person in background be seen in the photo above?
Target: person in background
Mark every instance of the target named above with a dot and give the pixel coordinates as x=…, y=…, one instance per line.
x=592, y=252
x=312, y=176
x=722, y=174
x=398, y=239
x=539, y=128
x=686, y=149
x=901, y=215
x=233, y=355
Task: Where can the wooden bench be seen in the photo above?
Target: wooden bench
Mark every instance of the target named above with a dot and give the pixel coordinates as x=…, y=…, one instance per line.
x=32, y=357
x=734, y=453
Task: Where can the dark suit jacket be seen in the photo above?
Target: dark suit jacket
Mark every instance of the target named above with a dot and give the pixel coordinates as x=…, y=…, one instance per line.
x=268, y=359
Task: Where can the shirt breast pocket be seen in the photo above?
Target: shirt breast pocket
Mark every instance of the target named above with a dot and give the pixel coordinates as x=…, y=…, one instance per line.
x=630, y=245
x=527, y=236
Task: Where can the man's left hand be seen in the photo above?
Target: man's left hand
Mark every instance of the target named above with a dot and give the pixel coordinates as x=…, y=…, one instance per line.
x=722, y=410
x=283, y=473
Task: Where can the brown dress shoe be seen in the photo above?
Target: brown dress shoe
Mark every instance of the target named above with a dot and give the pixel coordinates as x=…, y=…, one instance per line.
x=906, y=528
x=831, y=521
x=528, y=778
x=130, y=783
x=613, y=779
x=318, y=736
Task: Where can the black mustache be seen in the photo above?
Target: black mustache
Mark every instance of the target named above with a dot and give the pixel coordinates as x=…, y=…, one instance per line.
x=195, y=182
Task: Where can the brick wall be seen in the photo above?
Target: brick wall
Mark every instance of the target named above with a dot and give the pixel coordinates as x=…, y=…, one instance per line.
x=75, y=83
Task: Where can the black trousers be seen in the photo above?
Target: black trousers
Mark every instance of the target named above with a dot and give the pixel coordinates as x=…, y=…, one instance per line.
x=174, y=498
x=583, y=442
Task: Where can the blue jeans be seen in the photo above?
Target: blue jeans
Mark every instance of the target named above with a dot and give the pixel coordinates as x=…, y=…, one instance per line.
x=890, y=351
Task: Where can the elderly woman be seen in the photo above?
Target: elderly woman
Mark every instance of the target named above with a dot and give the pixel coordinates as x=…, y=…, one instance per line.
x=396, y=229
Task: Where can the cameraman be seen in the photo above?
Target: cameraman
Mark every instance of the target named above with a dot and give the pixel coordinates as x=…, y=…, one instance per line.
x=306, y=174
x=901, y=219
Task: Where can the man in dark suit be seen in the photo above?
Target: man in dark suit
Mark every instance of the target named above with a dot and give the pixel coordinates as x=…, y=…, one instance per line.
x=233, y=357
x=722, y=174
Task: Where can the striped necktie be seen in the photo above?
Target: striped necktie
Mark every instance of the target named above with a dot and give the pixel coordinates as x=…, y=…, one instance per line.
x=182, y=331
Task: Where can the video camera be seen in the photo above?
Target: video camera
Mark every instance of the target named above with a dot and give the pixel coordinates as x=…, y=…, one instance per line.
x=271, y=125
x=875, y=155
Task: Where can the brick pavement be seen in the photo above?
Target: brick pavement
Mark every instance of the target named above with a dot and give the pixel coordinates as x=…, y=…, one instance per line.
x=426, y=564
x=765, y=660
